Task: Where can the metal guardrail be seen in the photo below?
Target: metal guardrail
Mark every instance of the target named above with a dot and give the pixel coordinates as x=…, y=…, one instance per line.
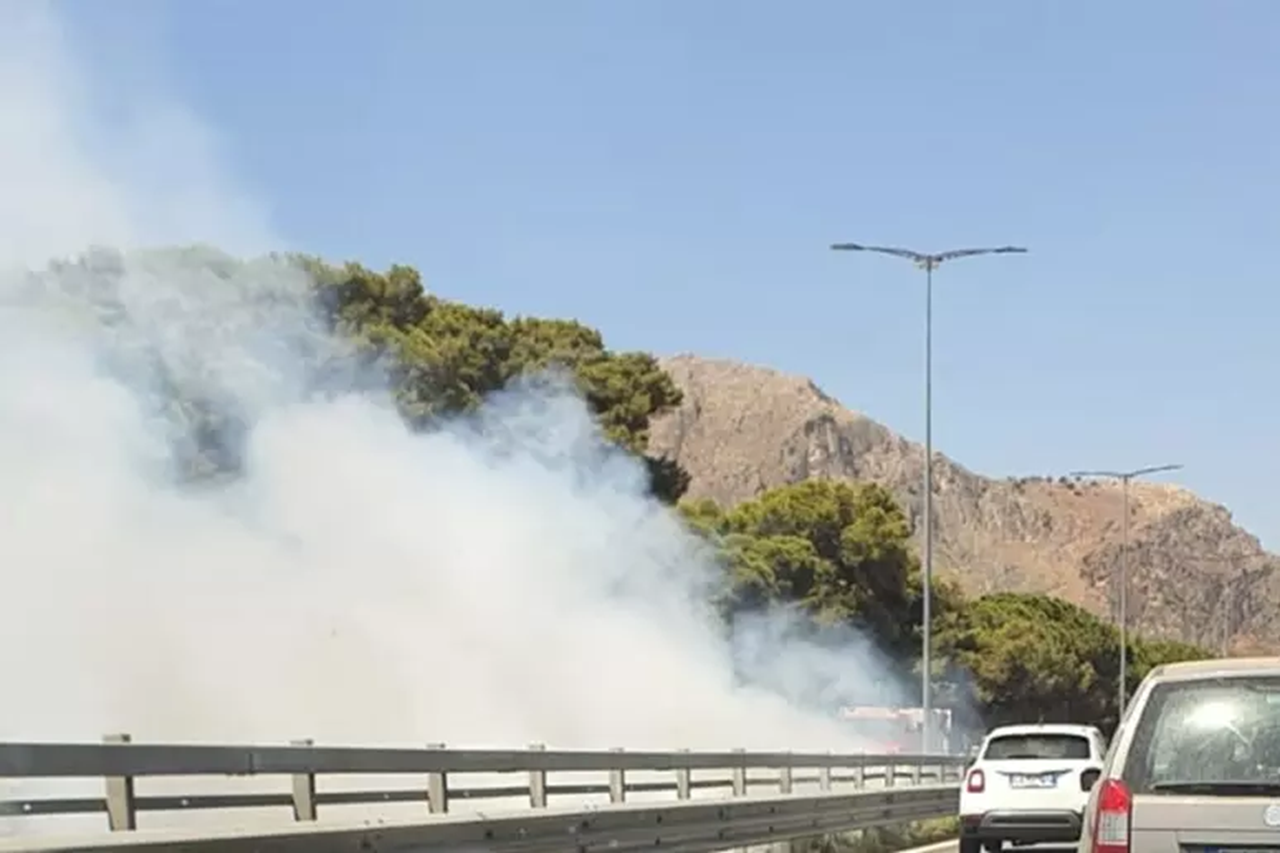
x=738, y=818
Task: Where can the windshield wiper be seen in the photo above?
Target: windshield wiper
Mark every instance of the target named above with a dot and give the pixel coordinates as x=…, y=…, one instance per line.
x=1223, y=787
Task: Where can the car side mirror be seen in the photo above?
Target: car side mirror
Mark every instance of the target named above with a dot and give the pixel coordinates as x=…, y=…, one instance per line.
x=1089, y=778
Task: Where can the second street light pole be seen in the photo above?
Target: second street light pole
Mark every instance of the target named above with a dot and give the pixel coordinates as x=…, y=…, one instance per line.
x=927, y=262
x=1123, y=617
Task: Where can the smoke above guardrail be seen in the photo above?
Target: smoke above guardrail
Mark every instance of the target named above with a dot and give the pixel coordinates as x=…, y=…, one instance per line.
x=499, y=581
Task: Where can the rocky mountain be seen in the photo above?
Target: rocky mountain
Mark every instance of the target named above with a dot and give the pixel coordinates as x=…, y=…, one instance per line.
x=1194, y=575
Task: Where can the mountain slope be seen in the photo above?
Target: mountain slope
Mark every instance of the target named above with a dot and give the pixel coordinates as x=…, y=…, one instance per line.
x=743, y=429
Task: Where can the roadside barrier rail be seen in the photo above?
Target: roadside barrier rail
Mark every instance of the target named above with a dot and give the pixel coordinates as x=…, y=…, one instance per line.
x=853, y=790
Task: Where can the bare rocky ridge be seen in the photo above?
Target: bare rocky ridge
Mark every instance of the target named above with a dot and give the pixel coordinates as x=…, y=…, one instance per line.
x=1194, y=575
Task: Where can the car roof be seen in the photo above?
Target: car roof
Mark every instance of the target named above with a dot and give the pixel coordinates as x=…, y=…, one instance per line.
x=1043, y=729
x=1191, y=670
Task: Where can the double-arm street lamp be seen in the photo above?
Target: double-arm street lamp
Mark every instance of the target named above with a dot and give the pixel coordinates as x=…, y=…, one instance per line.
x=1123, y=618
x=928, y=263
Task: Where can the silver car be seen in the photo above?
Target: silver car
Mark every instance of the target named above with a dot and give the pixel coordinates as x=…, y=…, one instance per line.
x=1194, y=764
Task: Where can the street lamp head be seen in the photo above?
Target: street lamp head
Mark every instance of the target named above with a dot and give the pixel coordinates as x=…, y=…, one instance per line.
x=883, y=250
x=969, y=253
x=927, y=260
x=1127, y=475
x=1157, y=469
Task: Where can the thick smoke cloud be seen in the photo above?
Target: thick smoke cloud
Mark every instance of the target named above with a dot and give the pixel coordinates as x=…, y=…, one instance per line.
x=501, y=581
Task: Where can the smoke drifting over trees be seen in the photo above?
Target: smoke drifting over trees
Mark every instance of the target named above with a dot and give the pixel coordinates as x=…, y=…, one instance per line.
x=272, y=498
x=259, y=496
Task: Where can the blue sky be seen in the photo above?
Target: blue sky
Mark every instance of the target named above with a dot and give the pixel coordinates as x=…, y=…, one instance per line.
x=672, y=171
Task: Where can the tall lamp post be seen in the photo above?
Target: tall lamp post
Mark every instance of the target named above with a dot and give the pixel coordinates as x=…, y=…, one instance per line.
x=928, y=263
x=1123, y=618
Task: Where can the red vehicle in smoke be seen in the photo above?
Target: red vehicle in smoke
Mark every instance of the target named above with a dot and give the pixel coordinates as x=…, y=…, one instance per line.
x=894, y=730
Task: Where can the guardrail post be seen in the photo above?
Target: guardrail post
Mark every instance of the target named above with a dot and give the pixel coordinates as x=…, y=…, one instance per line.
x=824, y=776
x=122, y=814
x=618, y=781
x=740, y=775
x=891, y=775
x=304, y=789
x=860, y=772
x=917, y=771
x=684, y=779
x=784, y=779
x=538, y=782
x=437, y=787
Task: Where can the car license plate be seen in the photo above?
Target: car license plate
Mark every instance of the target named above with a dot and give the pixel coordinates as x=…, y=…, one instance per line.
x=1022, y=781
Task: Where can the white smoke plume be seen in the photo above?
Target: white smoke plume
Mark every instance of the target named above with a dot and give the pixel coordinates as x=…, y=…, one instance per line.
x=358, y=584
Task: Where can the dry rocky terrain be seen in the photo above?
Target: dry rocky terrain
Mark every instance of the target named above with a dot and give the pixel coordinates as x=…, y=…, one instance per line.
x=1194, y=575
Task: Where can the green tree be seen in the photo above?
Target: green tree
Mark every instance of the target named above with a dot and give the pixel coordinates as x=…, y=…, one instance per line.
x=1146, y=654
x=445, y=357
x=840, y=551
x=1029, y=658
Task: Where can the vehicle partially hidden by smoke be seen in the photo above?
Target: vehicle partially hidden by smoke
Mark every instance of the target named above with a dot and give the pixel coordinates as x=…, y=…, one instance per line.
x=898, y=729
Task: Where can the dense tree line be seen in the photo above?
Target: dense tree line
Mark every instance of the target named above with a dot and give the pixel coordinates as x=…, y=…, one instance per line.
x=839, y=553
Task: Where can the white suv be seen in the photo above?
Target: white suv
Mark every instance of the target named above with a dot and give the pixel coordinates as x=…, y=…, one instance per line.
x=1029, y=785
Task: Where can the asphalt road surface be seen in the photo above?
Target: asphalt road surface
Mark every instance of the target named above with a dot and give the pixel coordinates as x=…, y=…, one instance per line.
x=954, y=847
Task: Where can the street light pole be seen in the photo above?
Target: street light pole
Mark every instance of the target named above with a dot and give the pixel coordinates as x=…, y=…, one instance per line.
x=927, y=262
x=1125, y=477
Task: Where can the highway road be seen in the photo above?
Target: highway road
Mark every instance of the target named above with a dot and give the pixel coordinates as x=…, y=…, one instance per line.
x=954, y=847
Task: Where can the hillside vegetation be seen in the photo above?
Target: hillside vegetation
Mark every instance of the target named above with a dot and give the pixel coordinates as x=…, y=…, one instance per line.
x=839, y=550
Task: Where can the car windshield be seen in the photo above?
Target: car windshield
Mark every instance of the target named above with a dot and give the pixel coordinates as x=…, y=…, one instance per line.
x=1040, y=745
x=1207, y=735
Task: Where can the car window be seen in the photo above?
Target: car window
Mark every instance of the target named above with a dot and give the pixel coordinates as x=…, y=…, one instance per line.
x=1219, y=731
x=1032, y=746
